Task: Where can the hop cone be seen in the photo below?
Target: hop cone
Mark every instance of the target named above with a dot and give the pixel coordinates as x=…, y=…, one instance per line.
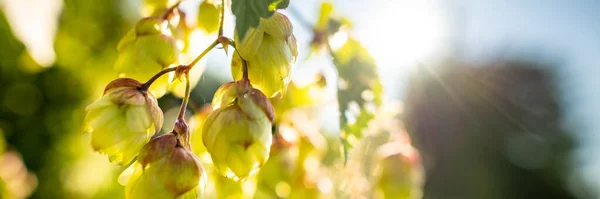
x=237, y=134
x=123, y=120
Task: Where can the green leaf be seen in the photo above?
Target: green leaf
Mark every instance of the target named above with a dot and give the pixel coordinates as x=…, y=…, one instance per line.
x=248, y=12
x=283, y=4
x=296, y=97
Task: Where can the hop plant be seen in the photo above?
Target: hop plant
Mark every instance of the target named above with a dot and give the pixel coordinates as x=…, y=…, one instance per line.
x=165, y=169
x=123, y=120
x=146, y=50
x=237, y=134
x=237, y=131
x=270, y=50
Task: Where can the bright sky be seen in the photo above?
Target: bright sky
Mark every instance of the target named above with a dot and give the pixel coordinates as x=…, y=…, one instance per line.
x=37, y=34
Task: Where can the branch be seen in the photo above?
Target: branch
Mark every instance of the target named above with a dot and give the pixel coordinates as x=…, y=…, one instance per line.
x=168, y=12
x=244, y=68
x=185, y=68
x=197, y=59
x=147, y=85
x=186, y=98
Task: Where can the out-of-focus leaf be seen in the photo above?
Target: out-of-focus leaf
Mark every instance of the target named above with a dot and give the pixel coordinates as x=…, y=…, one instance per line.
x=296, y=144
x=208, y=17
x=324, y=16
x=248, y=12
x=297, y=97
x=325, y=26
x=360, y=89
x=384, y=160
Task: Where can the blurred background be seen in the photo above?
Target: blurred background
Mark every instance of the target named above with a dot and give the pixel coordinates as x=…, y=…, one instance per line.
x=499, y=97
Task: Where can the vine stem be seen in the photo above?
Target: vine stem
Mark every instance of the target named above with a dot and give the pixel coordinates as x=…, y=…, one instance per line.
x=147, y=85
x=197, y=59
x=186, y=71
x=185, y=68
x=222, y=18
x=186, y=98
x=170, y=10
x=244, y=69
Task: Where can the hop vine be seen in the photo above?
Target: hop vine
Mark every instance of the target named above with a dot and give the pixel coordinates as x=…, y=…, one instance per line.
x=240, y=132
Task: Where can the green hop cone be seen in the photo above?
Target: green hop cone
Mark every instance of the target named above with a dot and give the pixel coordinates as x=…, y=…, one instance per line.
x=165, y=169
x=399, y=173
x=146, y=50
x=237, y=134
x=123, y=120
x=270, y=50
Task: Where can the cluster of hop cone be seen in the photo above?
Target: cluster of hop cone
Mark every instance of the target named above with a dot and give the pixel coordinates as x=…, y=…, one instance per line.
x=237, y=133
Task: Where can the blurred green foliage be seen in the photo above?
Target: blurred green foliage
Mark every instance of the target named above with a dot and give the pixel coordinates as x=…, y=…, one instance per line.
x=361, y=89
x=42, y=108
